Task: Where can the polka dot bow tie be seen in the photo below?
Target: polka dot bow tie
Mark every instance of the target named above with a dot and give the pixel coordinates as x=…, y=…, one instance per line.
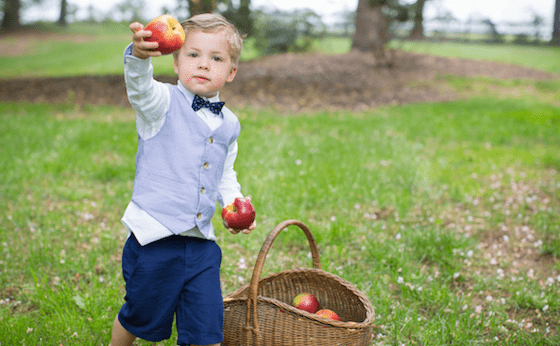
x=214, y=107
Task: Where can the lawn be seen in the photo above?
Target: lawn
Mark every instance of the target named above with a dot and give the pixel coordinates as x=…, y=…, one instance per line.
x=446, y=215
x=90, y=49
x=545, y=58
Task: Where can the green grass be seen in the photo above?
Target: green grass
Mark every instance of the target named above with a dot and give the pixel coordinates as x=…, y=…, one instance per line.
x=98, y=49
x=83, y=49
x=445, y=215
x=545, y=58
x=333, y=45
x=406, y=202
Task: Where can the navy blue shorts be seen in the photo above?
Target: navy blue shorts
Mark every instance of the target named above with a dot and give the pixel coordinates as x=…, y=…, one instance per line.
x=173, y=276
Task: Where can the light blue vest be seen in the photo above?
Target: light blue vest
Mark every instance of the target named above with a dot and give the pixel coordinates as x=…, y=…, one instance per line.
x=178, y=171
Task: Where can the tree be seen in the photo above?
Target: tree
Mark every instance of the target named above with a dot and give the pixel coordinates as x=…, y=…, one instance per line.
x=556, y=26
x=130, y=10
x=283, y=31
x=372, y=26
x=492, y=31
x=63, y=12
x=240, y=16
x=10, y=21
x=537, y=22
x=417, y=32
x=201, y=6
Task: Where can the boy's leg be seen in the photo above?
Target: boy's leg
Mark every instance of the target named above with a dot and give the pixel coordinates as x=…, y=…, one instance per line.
x=200, y=309
x=121, y=336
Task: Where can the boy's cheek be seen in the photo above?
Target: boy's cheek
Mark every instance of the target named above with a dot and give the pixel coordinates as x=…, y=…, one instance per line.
x=185, y=77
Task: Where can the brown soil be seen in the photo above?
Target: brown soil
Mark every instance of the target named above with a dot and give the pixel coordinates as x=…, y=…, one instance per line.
x=295, y=82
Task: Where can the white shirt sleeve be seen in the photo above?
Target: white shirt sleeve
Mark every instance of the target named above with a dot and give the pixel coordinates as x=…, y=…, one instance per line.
x=148, y=97
x=229, y=187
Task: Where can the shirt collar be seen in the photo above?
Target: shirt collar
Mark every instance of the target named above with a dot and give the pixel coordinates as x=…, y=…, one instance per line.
x=190, y=95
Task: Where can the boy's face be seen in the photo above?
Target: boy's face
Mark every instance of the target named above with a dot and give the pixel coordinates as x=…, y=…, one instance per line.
x=204, y=64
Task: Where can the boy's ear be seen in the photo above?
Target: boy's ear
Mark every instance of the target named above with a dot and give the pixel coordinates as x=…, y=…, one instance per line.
x=232, y=74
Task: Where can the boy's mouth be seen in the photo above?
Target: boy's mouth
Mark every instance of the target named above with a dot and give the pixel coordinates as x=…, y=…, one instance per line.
x=201, y=78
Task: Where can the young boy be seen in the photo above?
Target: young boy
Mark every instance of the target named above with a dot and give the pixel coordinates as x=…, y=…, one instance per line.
x=187, y=146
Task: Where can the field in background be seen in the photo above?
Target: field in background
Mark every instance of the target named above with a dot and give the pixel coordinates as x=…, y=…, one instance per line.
x=445, y=215
x=90, y=49
x=544, y=58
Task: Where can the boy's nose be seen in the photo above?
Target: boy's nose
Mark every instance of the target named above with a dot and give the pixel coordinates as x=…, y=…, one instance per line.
x=203, y=63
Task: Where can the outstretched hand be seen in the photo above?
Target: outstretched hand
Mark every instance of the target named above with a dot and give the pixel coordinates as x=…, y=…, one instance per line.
x=140, y=48
x=245, y=231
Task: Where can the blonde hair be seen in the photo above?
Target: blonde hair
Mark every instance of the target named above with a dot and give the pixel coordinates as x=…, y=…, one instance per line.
x=211, y=22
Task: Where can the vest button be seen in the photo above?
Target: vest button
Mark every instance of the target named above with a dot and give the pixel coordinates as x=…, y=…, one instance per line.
x=202, y=190
x=210, y=140
x=206, y=165
x=199, y=216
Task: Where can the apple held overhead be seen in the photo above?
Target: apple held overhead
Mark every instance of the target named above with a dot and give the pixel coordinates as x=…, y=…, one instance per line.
x=167, y=32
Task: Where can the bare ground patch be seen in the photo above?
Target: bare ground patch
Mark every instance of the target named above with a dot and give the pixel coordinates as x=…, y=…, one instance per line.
x=295, y=82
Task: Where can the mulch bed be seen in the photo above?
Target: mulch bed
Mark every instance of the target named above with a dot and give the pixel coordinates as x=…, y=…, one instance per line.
x=295, y=82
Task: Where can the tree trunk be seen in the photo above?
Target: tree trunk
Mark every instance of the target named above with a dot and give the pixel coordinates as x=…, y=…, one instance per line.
x=11, y=15
x=372, y=27
x=63, y=12
x=417, y=32
x=244, y=13
x=556, y=26
x=201, y=6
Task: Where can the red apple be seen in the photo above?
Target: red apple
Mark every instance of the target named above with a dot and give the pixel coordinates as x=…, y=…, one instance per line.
x=167, y=32
x=239, y=215
x=326, y=313
x=306, y=302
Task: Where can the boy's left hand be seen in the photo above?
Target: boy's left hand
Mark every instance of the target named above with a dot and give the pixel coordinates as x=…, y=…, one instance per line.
x=245, y=231
x=140, y=48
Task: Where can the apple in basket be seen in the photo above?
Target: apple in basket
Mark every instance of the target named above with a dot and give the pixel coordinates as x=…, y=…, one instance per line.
x=326, y=313
x=307, y=302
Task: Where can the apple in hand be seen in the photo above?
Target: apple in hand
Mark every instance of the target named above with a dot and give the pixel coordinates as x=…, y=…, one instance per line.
x=306, y=302
x=239, y=215
x=167, y=32
x=326, y=313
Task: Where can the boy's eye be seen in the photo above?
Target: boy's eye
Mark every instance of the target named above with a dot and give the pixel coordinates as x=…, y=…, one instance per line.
x=193, y=55
x=217, y=58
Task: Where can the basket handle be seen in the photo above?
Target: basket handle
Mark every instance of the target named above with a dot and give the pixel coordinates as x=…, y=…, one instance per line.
x=254, y=287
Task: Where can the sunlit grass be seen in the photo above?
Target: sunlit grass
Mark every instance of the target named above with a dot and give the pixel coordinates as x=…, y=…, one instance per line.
x=545, y=58
x=445, y=215
x=424, y=208
x=96, y=49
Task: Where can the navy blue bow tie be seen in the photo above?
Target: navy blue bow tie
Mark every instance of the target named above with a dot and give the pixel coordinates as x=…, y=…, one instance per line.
x=214, y=107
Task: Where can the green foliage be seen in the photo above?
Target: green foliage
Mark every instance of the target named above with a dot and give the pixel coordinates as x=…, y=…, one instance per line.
x=280, y=31
x=240, y=16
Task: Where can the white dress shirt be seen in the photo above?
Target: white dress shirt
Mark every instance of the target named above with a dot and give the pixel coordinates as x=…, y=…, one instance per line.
x=150, y=99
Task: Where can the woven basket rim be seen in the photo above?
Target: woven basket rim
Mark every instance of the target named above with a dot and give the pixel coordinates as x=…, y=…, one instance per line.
x=370, y=313
x=302, y=313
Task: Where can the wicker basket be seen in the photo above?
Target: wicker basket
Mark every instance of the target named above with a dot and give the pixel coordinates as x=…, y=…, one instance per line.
x=261, y=313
